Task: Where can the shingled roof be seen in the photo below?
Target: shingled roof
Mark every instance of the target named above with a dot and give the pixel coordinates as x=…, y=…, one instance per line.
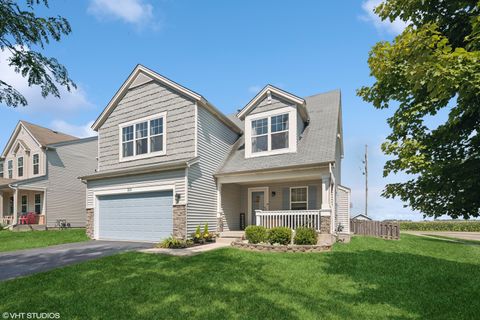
x=317, y=144
x=46, y=136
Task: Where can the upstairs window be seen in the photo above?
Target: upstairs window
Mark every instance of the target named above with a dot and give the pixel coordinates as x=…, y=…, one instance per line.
x=143, y=138
x=36, y=163
x=20, y=166
x=10, y=169
x=1, y=169
x=270, y=133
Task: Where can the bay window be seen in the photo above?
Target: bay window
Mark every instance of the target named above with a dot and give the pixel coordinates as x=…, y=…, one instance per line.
x=143, y=138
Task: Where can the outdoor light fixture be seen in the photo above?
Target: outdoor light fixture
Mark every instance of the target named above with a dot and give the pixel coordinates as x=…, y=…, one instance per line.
x=177, y=197
x=274, y=193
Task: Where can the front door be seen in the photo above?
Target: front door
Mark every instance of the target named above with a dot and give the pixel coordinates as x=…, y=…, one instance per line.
x=257, y=201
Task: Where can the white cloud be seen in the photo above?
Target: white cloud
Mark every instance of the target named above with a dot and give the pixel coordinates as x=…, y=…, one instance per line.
x=396, y=27
x=81, y=131
x=135, y=12
x=69, y=101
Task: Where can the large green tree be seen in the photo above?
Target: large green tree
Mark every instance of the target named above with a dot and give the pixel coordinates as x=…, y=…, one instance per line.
x=21, y=32
x=433, y=64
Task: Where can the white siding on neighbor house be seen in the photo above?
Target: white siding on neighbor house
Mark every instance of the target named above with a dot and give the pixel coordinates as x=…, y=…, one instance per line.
x=65, y=192
x=343, y=208
x=34, y=148
x=157, y=179
x=214, y=143
x=142, y=101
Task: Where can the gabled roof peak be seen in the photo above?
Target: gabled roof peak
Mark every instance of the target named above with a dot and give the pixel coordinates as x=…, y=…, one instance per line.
x=267, y=92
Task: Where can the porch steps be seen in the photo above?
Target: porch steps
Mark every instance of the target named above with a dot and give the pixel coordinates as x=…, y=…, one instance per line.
x=234, y=235
x=29, y=227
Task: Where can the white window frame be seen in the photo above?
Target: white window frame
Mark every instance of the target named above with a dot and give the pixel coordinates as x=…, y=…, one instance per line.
x=22, y=166
x=37, y=203
x=306, y=193
x=1, y=169
x=10, y=169
x=36, y=164
x=26, y=204
x=149, y=154
x=292, y=132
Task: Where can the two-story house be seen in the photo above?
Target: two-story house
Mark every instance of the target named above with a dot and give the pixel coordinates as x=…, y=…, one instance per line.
x=38, y=173
x=168, y=161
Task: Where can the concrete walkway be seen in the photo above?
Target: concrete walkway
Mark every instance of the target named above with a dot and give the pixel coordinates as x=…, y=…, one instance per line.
x=220, y=243
x=450, y=234
x=24, y=262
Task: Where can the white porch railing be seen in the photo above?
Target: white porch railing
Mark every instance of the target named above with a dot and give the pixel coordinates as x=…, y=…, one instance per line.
x=7, y=220
x=288, y=218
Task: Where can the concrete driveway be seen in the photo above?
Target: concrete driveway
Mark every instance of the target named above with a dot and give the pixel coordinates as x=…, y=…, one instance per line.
x=24, y=262
x=451, y=234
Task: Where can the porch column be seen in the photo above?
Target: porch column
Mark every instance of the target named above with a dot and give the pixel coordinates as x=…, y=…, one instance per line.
x=15, y=206
x=219, y=207
x=326, y=192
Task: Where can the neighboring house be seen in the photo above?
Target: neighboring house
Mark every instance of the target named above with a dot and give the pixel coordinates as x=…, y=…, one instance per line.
x=169, y=161
x=38, y=173
x=361, y=216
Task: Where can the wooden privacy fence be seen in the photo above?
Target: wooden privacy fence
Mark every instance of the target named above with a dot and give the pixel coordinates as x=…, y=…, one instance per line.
x=379, y=229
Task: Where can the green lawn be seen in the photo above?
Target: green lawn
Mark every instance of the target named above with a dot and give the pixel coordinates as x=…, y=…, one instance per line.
x=10, y=241
x=413, y=278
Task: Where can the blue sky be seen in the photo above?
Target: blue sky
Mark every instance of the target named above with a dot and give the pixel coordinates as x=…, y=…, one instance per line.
x=227, y=51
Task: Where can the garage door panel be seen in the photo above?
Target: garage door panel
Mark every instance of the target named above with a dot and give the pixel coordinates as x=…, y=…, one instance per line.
x=136, y=217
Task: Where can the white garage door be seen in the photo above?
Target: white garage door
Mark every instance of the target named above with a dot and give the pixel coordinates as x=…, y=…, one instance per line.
x=136, y=216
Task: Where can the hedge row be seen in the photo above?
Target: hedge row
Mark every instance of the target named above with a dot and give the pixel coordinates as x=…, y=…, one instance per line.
x=472, y=226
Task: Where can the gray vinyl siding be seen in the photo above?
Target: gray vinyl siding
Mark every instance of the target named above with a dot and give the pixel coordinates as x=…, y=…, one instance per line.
x=214, y=142
x=275, y=103
x=142, y=101
x=231, y=197
x=65, y=192
x=174, y=177
x=343, y=209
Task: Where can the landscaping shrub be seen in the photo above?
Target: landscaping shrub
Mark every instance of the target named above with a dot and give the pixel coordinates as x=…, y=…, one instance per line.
x=256, y=234
x=304, y=236
x=280, y=235
x=173, y=243
x=469, y=226
x=197, y=235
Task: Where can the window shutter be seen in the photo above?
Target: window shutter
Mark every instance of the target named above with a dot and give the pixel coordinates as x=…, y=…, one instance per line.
x=286, y=199
x=312, y=197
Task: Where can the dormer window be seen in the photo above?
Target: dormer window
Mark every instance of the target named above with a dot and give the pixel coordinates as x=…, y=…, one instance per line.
x=271, y=132
x=143, y=138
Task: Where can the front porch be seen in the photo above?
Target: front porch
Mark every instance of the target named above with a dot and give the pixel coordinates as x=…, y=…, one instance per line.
x=22, y=206
x=291, y=199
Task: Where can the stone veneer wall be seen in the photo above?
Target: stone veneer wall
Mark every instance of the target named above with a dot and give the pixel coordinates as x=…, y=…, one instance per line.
x=325, y=224
x=90, y=223
x=180, y=221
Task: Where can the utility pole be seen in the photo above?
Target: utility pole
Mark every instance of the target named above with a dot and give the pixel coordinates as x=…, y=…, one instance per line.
x=366, y=179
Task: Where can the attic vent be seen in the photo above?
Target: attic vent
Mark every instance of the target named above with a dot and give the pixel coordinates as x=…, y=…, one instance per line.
x=269, y=97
